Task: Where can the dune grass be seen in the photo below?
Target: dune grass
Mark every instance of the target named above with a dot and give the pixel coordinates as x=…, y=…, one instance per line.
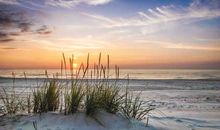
x=110, y=99
x=73, y=99
x=102, y=94
x=87, y=89
x=133, y=107
x=46, y=98
x=11, y=101
x=92, y=101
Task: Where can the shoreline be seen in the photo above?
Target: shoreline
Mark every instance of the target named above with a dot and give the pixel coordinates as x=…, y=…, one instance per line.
x=113, y=79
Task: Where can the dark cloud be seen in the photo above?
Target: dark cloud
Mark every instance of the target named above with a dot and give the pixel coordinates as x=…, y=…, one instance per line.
x=2, y=35
x=8, y=48
x=24, y=27
x=13, y=18
x=16, y=20
x=4, y=20
x=12, y=22
x=43, y=30
x=7, y=40
x=5, y=37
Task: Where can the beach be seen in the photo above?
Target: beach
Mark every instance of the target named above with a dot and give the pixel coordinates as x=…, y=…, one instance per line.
x=109, y=65
x=179, y=103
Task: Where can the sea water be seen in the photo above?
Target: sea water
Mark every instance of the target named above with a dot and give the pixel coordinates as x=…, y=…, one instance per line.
x=139, y=79
x=133, y=73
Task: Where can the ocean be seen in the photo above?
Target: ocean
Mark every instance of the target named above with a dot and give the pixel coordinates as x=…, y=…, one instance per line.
x=139, y=79
x=133, y=73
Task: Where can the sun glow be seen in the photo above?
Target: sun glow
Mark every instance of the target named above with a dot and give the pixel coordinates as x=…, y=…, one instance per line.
x=75, y=65
x=152, y=36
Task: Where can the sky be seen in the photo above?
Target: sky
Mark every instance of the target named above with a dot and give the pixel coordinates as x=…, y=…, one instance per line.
x=154, y=34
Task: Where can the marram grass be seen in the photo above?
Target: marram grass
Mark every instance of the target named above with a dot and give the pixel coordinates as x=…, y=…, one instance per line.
x=46, y=98
x=87, y=89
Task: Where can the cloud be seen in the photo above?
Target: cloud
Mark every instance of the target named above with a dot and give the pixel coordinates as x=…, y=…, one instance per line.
x=185, y=46
x=9, y=2
x=68, y=44
x=101, y=18
x=6, y=40
x=198, y=10
x=55, y=3
x=16, y=21
x=12, y=23
x=192, y=47
x=211, y=4
x=8, y=48
x=72, y=3
x=5, y=37
x=97, y=2
x=24, y=27
x=44, y=30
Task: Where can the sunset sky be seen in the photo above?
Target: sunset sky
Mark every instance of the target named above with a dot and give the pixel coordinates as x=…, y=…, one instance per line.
x=135, y=33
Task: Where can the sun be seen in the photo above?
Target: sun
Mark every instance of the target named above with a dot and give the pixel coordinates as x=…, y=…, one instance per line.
x=75, y=65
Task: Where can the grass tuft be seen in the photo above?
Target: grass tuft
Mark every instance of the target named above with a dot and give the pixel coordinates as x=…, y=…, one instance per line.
x=92, y=101
x=110, y=99
x=73, y=99
x=46, y=98
x=11, y=101
x=134, y=107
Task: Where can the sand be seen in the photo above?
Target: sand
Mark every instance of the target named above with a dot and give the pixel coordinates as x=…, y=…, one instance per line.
x=180, y=104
